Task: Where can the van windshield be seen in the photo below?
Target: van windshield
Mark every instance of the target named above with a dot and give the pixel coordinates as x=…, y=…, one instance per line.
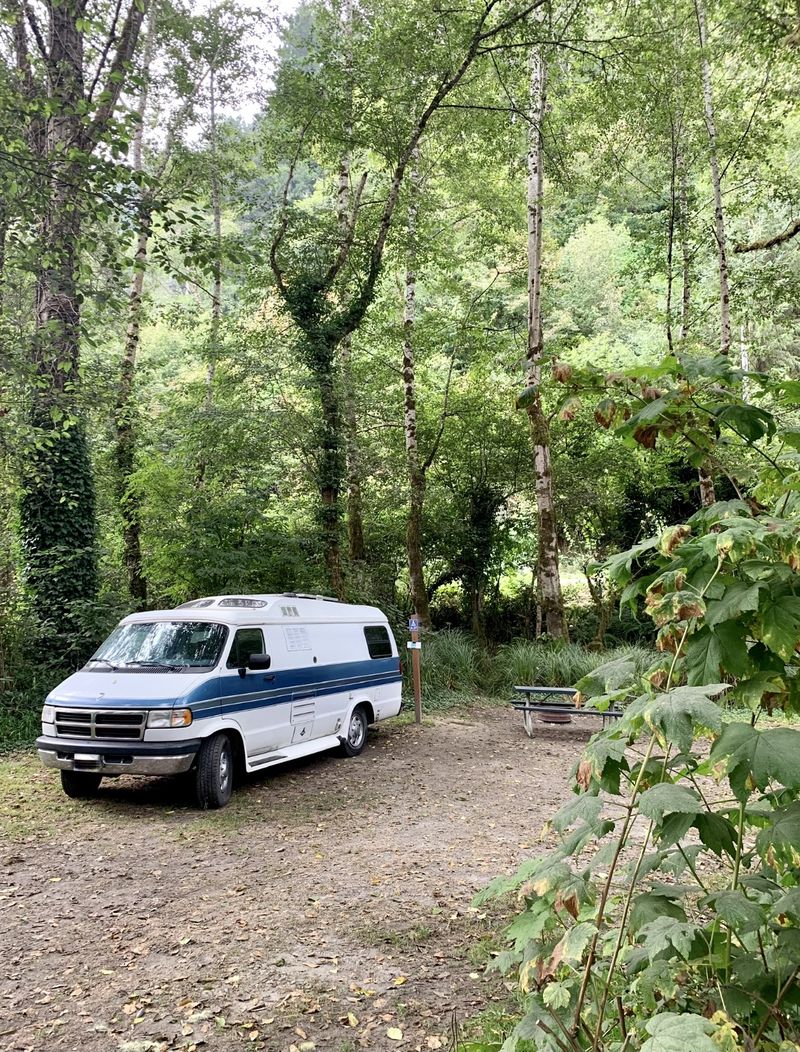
x=152, y=645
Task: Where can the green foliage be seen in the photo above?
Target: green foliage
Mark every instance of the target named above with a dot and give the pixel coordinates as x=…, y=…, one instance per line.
x=668, y=933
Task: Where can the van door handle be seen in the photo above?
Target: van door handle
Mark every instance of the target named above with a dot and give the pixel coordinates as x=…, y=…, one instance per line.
x=268, y=679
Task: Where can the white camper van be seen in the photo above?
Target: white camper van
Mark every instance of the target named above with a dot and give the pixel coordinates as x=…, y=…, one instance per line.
x=223, y=684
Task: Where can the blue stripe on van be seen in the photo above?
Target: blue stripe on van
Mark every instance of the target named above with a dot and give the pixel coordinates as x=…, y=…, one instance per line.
x=230, y=692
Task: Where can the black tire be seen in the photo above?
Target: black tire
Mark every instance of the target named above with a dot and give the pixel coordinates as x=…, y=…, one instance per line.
x=355, y=736
x=214, y=772
x=80, y=785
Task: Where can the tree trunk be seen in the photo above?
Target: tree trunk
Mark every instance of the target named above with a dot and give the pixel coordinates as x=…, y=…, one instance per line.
x=355, y=504
x=716, y=183
x=216, y=209
x=414, y=467
x=671, y=224
x=125, y=409
x=744, y=358
x=321, y=357
x=57, y=509
x=125, y=420
x=686, y=258
x=548, y=569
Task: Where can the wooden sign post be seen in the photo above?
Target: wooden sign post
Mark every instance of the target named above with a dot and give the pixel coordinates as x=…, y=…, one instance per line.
x=415, y=647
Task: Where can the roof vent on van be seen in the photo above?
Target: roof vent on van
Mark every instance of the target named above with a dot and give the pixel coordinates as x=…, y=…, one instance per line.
x=243, y=601
x=195, y=604
x=307, y=595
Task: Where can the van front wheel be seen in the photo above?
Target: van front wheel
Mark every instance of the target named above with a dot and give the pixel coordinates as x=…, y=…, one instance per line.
x=80, y=785
x=214, y=772
x=356, y=737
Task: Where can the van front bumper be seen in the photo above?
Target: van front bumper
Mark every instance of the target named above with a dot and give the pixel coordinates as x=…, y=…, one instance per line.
x=113, y=758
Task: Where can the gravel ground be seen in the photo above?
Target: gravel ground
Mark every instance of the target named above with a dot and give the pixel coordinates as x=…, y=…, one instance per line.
x=327, y=908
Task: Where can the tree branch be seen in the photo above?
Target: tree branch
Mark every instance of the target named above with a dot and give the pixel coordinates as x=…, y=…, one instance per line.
x=792, y=230
x=283, y=225
x=481, y=34
x=106, y=48
x=37, y=33
x=115, y=79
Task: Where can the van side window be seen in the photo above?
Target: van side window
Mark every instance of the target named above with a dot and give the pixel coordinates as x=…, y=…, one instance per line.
x=378, y=642
x=247, y=641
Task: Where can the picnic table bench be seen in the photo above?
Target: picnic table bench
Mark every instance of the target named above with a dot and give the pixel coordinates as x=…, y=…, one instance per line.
x=555, y=700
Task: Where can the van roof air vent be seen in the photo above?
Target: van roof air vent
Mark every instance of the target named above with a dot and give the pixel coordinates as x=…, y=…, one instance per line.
x=195, y=604
x=243, y=601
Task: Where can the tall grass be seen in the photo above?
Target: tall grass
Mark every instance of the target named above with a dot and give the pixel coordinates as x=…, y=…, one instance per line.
x=523, y=663
x=455, y=667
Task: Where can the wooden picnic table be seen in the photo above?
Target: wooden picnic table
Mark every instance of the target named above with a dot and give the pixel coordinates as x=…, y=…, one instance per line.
x=559, y=700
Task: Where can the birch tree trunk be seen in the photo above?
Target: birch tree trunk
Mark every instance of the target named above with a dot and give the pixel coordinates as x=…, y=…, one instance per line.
x=548, y=570
x=216, y=209
x=125, y=407
x=686, y=258
x=355, y=503
x=716, y=183
x=414, y=465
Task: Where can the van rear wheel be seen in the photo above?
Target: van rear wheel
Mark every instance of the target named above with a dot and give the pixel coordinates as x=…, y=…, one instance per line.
x=214, y=772
x=80, y=785
x=356, y=736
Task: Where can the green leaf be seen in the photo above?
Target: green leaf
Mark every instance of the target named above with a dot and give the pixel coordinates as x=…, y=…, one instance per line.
x=734, y=654
x=526, y=397
x=737, y=598
x=748, y=421
x=530, y=924
x=671, y=1032
x=717, y=833
x=738, y=911
x=665, y=798
x=754, y=759
x=608, y=677
x=780, y=625
x=668, y=932
x=585, y=808
x=676, y=715
x=651, y=905
x=557, y=995
x=779, y=843
x=703, y=658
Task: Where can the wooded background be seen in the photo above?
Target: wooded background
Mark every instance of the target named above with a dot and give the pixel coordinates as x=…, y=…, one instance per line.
x=304, y=303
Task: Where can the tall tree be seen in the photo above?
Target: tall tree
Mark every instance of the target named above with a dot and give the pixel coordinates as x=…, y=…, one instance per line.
x=77, y=75
x=549, y=577
x=356, y=251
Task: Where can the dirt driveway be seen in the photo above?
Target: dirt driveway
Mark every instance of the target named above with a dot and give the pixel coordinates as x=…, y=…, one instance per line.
x=327, y=908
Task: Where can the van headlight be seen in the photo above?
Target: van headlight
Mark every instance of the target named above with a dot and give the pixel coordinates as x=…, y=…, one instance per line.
x=169, y=718
x=49, y=714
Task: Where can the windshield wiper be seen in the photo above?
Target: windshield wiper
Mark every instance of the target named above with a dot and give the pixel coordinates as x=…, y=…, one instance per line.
x=153, y=663
x=105, y=661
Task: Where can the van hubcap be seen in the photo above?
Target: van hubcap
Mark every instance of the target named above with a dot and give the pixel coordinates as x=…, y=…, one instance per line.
x=355, y=735
x=224, y=769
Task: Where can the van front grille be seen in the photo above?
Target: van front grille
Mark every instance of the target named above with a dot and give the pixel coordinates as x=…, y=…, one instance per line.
x=100, y=723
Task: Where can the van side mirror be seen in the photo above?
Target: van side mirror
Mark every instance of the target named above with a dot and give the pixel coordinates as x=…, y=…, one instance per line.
x=259, y=662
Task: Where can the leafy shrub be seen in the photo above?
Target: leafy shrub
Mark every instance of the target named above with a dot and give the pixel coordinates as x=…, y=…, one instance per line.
x=668, y=916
